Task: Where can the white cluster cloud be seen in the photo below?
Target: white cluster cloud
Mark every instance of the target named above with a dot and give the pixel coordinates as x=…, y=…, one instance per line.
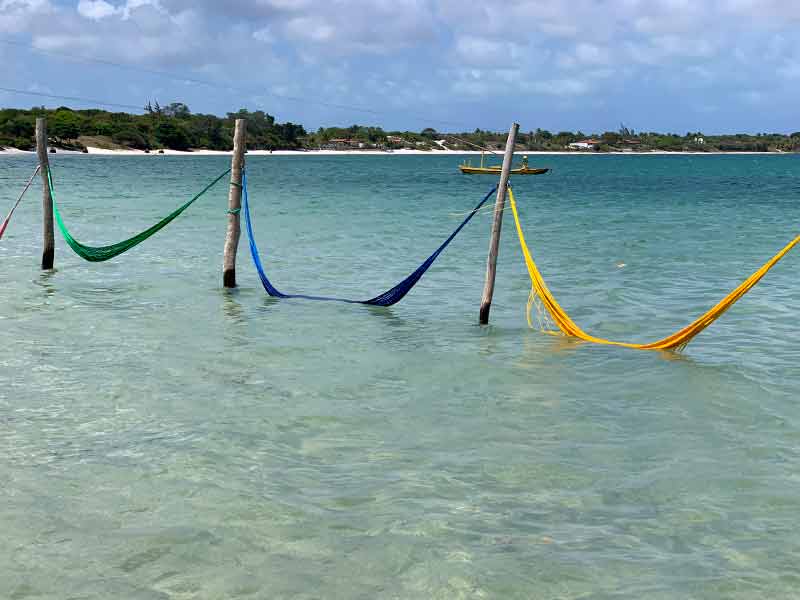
x=96, y=9
x=16, y=16
x=381, y=50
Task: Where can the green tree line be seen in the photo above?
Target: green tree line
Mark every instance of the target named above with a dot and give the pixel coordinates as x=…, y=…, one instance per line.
x=628, y=139
x=543, y=140
x=173, y=126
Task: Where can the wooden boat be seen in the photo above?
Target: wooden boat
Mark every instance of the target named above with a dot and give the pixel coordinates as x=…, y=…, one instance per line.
x=496, y=170
x=468, y=169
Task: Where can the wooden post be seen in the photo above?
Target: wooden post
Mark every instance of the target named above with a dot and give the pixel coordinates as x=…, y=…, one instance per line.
x=494, y=243
x=234, y=205
x=48, y=237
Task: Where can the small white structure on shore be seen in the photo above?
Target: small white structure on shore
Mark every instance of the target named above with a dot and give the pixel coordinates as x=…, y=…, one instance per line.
x=584, y=145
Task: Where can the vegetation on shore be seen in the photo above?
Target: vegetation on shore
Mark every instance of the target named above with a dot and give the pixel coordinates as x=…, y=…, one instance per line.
x=177, y=128
x=173, y=126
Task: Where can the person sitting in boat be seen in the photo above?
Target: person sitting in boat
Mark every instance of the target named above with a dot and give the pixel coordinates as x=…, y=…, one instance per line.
x=525, y=162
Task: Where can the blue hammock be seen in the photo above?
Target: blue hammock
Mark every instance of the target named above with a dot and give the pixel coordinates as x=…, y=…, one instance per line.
x=387, y=298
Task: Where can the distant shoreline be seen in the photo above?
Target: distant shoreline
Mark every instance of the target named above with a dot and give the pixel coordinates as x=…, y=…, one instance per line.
x=106, y=152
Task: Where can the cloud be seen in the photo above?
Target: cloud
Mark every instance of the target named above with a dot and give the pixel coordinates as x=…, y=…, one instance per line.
x=425, y=56
x=357, y=26
x=264, y=35
x=96, y=9
x=483, y=52
x=562, y=87
x=781, y=11
x=17, y=16
x=311, y=29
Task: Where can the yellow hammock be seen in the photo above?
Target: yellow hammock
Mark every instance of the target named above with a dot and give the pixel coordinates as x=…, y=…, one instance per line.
x=676, y=341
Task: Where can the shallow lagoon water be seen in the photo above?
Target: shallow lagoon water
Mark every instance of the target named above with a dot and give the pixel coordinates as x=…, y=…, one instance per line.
x=163, y=438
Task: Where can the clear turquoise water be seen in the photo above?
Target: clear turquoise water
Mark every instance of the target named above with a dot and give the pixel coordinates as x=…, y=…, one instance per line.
x=163, y=438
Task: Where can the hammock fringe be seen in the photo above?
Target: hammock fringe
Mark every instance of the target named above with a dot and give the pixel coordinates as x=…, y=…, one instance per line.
x=676, y=341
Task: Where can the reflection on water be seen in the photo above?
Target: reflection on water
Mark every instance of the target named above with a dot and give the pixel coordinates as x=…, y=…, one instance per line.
x=231, y=307
x=45, y=280
x=164, y=438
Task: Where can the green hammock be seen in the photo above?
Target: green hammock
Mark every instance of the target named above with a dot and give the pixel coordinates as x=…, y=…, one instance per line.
x=101, y=253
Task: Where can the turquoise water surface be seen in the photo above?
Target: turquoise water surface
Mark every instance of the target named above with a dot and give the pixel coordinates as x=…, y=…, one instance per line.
x=163, y=438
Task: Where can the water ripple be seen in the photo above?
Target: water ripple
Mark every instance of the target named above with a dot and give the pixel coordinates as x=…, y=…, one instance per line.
x=164, y=438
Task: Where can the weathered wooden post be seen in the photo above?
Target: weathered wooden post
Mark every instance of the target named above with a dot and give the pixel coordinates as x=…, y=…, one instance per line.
x=494, y=243
x=48, y=237
x=234, y=205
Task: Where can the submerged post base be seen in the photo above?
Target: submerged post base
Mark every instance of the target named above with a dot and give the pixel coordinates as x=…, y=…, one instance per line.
x=229, y=278
x=483, y=318
x=48, y=257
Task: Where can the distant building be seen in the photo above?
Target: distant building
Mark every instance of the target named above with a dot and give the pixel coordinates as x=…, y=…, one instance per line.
x=585, y=144
x=342, y=144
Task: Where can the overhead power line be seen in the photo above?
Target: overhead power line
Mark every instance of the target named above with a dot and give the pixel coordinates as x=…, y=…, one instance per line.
x=74, y=98
x=183, y=79
x=139, y=108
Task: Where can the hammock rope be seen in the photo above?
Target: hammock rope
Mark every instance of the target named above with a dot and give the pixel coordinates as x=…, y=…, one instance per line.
x=16, y=204
x=387, y=298
x=551, y=310
x=103, y=253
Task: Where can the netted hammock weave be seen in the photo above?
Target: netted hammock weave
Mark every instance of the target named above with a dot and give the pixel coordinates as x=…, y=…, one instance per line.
x=387, y=298
x=552, y=310
x=102, y=253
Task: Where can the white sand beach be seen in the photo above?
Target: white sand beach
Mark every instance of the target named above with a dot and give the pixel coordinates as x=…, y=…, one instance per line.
x=201, y=152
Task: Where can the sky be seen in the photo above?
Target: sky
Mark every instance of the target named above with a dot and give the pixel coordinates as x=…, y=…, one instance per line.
x=716, y=66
